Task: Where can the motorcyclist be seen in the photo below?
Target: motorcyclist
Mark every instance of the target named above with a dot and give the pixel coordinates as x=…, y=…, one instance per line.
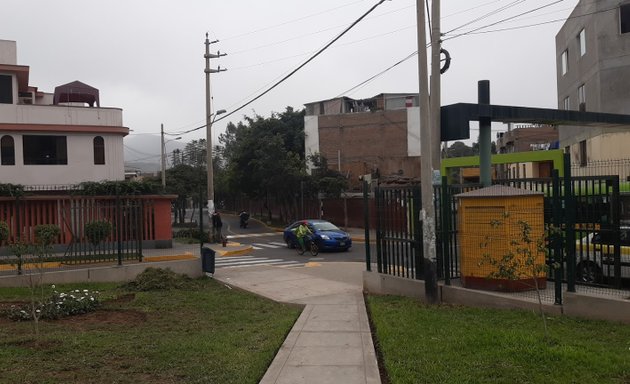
x=244, y=218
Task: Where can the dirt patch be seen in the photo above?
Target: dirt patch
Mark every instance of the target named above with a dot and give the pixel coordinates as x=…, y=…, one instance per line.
x=105, y=317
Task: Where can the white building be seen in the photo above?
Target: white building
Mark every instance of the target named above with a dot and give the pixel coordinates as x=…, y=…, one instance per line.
x=56, y=138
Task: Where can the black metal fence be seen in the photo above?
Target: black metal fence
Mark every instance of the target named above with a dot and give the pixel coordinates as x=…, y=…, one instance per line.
x=587, y=248
x=398, y=235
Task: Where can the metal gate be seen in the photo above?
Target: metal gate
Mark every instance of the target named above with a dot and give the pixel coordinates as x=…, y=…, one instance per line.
x=399, y=231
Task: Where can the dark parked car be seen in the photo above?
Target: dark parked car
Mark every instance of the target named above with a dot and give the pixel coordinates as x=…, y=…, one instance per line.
x=326, y=235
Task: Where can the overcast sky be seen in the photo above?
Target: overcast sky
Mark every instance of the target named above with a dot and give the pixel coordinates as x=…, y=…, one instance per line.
x=147, y=56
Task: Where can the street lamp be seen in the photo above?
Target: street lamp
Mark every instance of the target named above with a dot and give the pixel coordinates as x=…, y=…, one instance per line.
x=211, y=118
x=164, y=155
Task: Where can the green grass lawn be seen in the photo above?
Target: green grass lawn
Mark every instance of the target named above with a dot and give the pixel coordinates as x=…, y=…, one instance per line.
x=452, y=344
x=203, y=332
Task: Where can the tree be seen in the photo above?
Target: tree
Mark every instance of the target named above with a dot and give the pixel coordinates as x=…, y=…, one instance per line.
x=327, y=181
x=263, y=158
x=185, y=181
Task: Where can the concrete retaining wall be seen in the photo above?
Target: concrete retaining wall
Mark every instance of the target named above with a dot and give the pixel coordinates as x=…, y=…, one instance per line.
x=126, y=272
x=578, y=305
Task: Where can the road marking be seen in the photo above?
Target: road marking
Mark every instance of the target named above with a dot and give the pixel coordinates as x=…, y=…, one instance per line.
x=242, y=235
x=278, y=244
x=245, y=261
x=266, y=245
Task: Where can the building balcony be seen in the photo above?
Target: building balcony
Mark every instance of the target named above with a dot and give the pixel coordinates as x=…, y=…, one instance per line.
x=60, y=115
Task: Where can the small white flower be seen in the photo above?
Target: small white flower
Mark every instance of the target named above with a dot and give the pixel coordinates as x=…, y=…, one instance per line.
x=85, y=290
x=53, y=286
x=37, y=311
x=91, y=298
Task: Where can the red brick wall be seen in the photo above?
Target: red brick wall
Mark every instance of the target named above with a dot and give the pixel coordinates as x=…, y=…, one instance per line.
x=367, y=141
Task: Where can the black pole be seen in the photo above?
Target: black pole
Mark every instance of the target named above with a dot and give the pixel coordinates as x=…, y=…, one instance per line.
x=569, y=217
x=120, y=224
x=556, y=240
x=200, y=214
x=366, y=217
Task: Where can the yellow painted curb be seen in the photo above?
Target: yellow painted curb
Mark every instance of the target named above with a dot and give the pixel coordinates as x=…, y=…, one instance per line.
x=312, y=264
x=185, y=256
x=49, y=264
x=238, y=252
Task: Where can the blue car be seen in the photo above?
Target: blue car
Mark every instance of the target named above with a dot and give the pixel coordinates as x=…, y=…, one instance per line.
x=326, y=235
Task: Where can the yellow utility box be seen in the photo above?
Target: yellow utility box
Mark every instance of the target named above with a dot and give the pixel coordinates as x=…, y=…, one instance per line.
x=500, y=229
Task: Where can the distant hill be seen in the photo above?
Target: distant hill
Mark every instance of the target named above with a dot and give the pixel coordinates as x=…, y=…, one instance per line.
x=143, y=152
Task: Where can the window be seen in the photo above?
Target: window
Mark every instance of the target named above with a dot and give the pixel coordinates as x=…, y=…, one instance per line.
x=99, y=150
x=582, y=42
x=7, y=150
x=6, y=89
x=624, y=18
x=583, y=153
x=44, y=150
x=567, y=103
x=582, y=98
x=565, y=61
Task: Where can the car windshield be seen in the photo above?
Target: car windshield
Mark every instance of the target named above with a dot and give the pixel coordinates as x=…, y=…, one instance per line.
x=325, y=226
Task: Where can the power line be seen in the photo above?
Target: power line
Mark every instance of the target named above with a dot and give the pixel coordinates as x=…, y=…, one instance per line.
x=291, y=21
x=306, y=62
x=292, y=72
x=504, y=20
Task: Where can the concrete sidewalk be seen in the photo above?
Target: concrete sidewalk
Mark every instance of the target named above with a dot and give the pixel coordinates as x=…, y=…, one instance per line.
x=331, y=340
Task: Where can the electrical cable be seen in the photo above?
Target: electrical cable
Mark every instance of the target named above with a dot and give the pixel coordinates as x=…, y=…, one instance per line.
x=296, y=69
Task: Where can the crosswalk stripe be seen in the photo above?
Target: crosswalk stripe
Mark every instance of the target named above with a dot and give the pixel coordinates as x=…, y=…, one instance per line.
x=278, y=243
x=239, y=236
x=258, y=262
x=266, y=245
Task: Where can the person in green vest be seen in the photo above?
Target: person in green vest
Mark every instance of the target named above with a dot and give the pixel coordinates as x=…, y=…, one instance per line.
x=302, y=231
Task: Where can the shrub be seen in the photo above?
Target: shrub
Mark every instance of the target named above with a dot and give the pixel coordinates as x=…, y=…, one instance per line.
x=4, y=232
x=59, y=305
x=191, y=233
x=46, y=234
x=97, y=231
x=156, y=279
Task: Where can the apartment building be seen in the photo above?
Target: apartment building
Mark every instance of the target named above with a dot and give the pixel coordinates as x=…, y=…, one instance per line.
x=366, y=138
x=593, y=74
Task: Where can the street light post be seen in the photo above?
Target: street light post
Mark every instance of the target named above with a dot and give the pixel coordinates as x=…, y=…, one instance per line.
x=163, y=151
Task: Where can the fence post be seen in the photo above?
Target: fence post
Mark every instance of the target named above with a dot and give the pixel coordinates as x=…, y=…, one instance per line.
x=366, y=212
x=119, y=223
x=379, y=236
x=141, y=221
x=445, y=215
x=616, y=209
x=418, y=234
x=569, y=224
x=556, y=238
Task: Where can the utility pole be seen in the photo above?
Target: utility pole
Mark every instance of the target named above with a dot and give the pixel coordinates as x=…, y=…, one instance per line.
x=209, y=121
x=427, y=213
x=163, y=157
x=436, y=48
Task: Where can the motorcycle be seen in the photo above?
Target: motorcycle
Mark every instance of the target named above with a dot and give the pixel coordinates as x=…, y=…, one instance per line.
x=244, y=219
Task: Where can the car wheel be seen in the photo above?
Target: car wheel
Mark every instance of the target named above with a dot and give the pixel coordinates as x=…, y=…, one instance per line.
x=289, y=243
x=589, y=272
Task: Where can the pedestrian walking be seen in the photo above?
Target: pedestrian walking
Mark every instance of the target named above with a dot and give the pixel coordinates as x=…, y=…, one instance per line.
x=217, y=224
